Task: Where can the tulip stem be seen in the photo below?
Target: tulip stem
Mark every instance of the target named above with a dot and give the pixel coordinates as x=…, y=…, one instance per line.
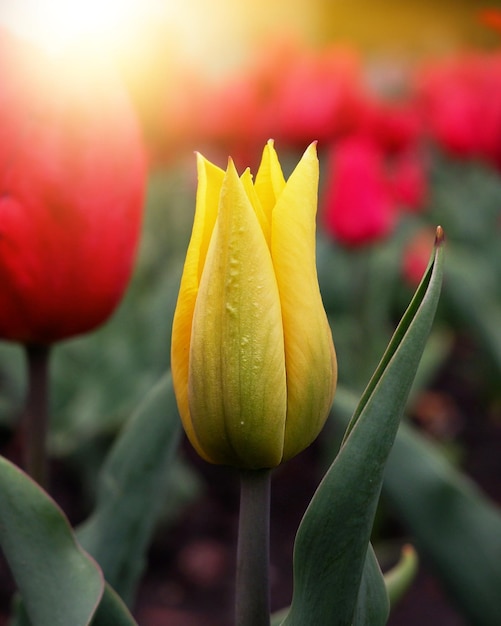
x=36, y=417
x=252, y=582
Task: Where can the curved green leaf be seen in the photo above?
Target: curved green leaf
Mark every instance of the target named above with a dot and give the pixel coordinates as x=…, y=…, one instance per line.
x=332, y=540
x=112, y=611
x=400, y=577
x=453, y=523
x=60, y=583
x=372, y=603
x=373, y=606
x=451, y=520
x=278, y=617
x=471, y=290
x=132, y=490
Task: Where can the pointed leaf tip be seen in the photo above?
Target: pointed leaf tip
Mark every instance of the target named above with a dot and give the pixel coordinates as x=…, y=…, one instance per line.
x=439, y=236
x=401, y=576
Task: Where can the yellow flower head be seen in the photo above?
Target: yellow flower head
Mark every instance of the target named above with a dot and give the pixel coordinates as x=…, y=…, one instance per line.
x=253, y=361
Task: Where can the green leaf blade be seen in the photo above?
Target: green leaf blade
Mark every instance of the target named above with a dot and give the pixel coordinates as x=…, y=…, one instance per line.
x=333, y=538
x=453, y=523
x=400, y=577
x=112, y=611
x=59, y=582
x=132, y=489
x=373, y=606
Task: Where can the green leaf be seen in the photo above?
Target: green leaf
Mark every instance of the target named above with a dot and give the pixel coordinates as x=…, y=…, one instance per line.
x=60, y=584
x=333, y=538
x=112, y=611
x=372, y=602
x=372, y=606
x=473, y=293
x=455, y=525
x=278, y=617
x=451, y=520
x=132, y=490
x=400, y=577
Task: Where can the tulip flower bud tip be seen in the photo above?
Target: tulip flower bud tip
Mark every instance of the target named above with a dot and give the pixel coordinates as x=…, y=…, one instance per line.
x=253, y=361
x=439, y=236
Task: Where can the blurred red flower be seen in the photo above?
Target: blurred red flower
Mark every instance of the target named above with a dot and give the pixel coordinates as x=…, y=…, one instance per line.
x=358, y=208
x=286, y=91
x=461, y=103
x=72, y=182
x=231, y=120
x=395, y=125
x=316, y=96
x=408, y=180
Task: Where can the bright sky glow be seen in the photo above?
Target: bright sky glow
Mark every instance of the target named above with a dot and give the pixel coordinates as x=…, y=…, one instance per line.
x=215, y=34
x=57, y=24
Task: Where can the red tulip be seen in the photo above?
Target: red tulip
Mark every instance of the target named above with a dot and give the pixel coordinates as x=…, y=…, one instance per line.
x=395, y=126
x=72, y=182
x=357, y=205
x=287, y=91
x=317, y=97
x=461, y=102
x=408, y=181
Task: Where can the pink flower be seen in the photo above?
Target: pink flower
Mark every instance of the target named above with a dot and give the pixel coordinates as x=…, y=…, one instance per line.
x=317, y=96
x=287, y=91
x=461, y=103
x=396, y=126
x=357, y=205
x=408, y=180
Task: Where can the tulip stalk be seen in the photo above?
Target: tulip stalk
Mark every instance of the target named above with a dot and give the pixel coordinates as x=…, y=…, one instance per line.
x=252, y=600
x=36, y=418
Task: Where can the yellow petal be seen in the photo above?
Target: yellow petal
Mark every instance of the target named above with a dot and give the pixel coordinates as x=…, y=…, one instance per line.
x=210, y=179
x=237, y=384
x=256, y=203
x=270, y=181
x=309, y=351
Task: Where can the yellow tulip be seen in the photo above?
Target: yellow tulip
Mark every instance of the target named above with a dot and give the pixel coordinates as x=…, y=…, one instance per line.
x=253, y=361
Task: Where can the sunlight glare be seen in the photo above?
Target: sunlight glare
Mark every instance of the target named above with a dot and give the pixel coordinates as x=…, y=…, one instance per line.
x=58, y=24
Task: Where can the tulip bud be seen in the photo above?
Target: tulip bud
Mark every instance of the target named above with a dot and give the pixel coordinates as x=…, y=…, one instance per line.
x=253, y=361
x=72, y=182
